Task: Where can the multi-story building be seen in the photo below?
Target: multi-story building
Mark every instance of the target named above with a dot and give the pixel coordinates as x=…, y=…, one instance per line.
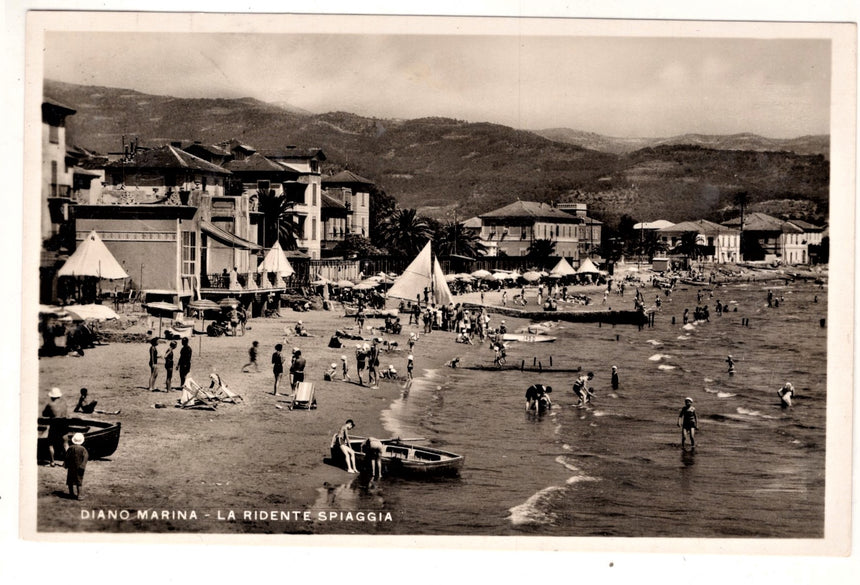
x=303, y=171
x=716, y=243
x=336, y=219
x=769, y=239
x=353, y=191
x=511, y=229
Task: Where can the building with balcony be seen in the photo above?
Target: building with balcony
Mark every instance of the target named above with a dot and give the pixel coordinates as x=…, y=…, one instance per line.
x=353, y=191
x=714, y=242
x=511, y=229
x=769, y=239
x=336, y=218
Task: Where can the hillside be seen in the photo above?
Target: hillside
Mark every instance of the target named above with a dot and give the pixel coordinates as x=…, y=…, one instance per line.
x=819, y=144
x=438, y=164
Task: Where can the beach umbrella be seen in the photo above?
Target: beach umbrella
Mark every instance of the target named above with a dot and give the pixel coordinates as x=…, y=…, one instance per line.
x=204, y=305
x=504, y=275
x=91, y=312
x=343, y=283
x=481, y=273
x=159, y=308
x=531, y=276
x=450, y=277
x=366, y=285
x=229, y=302
x=465, y=277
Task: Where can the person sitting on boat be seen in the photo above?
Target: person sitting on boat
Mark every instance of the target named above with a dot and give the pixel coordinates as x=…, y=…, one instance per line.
x=372, y=449
x=580, y=388
x=342, y=441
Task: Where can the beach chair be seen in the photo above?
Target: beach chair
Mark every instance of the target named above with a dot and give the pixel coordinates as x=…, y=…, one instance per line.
x=304, y=396
x=195, y=396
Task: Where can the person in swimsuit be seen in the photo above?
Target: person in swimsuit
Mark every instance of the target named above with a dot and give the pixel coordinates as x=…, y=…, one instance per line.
x=342, y=440
x=688, y=420
x=786, y=393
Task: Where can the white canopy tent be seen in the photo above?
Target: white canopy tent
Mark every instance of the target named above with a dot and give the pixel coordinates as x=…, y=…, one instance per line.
x=92, y=258
x=276, y=261
x=563, y=268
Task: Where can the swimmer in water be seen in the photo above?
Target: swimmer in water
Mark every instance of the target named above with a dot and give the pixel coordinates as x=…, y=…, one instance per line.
x=731, y=362
x=580, y=388
x=785, y=394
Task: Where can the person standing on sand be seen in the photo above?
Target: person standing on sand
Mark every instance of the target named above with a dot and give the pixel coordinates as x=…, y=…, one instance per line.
x=57, y=411
x=252, y=357
x=344, y=366
x=504, y=298
x=168, y=365
x=184, y=361
x=410, y=365
x=373, y=364
x=360, y=360
x=277, y=366
x=76, y=463
x=341, y=439
x=153, y=363
x=688, y=420
x=297, y=369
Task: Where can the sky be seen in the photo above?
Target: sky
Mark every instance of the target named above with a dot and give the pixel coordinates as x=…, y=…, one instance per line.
x=617, y=86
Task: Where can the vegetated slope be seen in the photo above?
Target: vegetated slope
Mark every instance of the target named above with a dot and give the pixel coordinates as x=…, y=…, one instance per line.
x=440, y=165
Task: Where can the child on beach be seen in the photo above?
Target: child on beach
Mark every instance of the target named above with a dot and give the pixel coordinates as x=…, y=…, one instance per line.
x=277, y=366
x=76, y=463
x=252, y=357
x=328, y=375
x=344, y=365
x=410, y=365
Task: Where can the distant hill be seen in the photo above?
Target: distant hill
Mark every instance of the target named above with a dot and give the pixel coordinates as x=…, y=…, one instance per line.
x=440, y=165
x=818, y=144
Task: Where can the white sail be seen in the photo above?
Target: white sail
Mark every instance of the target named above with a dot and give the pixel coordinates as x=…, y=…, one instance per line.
x=423, y=273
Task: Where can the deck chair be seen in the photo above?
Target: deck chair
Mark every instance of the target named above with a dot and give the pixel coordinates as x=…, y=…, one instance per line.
x=195, y=396
x=304, y=396
x=221, y=392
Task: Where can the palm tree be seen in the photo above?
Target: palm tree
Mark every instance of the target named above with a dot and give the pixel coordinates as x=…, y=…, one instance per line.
x=278, y=219
x=453, y=238
x=405, y=232
x=540, y=251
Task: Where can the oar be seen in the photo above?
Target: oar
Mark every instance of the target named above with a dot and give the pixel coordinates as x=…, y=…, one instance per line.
x=409, y=439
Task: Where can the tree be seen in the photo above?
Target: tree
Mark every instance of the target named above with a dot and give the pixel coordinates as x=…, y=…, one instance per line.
x=453, y=238
x=382, y=205
x=355, y=245
x=540, y=251
x=278, y=221
x=688, y=245
x=405, y=232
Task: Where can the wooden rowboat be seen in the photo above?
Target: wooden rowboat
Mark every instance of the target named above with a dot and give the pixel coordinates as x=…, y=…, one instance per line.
x=100, y=438
x=404, y=459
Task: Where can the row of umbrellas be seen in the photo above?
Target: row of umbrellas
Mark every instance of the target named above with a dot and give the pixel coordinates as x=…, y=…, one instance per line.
x=366, y=284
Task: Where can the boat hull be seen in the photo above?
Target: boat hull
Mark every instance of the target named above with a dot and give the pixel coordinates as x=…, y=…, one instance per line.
x=404, y=459
x=101, y=438
x=528, y=338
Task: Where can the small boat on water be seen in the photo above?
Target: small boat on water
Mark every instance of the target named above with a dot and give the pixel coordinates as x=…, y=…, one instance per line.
x=101, y=438
x=528, y=337
x=404, y=458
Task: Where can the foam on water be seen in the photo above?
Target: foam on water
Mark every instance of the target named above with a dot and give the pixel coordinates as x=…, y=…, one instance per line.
x=688, y=327
x=748, y=412
x=665, y=367
x=659, y=356
x=561, y=459
x=725, y=395
x=683, y=337
x=535, y=510
x=654, y=342
x=709, y=391
x=708, y=380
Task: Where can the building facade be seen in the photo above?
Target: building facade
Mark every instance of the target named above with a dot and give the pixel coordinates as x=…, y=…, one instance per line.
x=353, y=191
x=714, y=242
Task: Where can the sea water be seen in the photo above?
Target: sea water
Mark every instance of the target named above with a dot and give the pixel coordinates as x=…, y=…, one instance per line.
x=616, y=467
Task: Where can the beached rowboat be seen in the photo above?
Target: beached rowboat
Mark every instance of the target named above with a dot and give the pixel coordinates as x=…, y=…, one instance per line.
x=100, y=438
x=528, y=338
x=401, y=458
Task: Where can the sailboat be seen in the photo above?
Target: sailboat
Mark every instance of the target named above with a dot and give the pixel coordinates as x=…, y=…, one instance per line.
x=423, y=273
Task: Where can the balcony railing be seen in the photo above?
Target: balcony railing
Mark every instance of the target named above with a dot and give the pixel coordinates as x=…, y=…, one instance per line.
x=246, y=280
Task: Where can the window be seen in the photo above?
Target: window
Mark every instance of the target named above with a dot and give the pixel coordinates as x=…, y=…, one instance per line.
x=314, y=194
x=54, y=178
x=189, y=254
x=314, y=228
x=53, y=134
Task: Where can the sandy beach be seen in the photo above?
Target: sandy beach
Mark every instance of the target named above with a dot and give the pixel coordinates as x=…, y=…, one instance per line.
x=251, y=456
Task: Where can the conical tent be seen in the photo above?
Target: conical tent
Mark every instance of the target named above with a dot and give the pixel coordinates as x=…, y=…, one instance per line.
x=276, y=261
x=587, y=267
x=92, y=258
x=423, y=272
x=563, y=268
